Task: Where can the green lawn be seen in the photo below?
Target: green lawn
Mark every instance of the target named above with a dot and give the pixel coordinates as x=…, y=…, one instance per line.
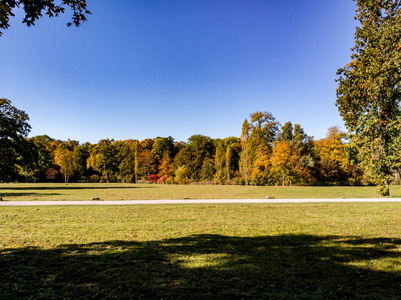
x=270, y=251
x=120, y=191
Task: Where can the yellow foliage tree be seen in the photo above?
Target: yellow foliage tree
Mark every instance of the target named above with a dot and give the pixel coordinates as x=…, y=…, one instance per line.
x=333, y=148
x=284, y=159
x=65, y=159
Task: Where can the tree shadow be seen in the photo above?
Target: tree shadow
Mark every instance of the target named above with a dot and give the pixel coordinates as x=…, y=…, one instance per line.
x=24, y=194
x=204, y=267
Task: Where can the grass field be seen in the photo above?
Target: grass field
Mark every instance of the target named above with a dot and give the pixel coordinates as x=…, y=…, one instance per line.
x=259, y=251
x=119, y=191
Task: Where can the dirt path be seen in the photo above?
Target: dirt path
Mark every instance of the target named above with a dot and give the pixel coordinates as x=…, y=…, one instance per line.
x=192, y=201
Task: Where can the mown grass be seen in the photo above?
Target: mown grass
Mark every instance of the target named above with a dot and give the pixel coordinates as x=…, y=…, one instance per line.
x=280, y=251
x=119, y=191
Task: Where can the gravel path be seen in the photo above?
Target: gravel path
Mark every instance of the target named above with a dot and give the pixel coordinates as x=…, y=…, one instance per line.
x=192, y=201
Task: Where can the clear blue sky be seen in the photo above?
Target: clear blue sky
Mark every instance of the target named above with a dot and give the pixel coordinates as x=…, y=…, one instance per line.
x=141, y=69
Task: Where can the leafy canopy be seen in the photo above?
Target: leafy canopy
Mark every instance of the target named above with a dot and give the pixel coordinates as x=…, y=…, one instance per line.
x=34, y=9
x=14, y=128
x=368, y=95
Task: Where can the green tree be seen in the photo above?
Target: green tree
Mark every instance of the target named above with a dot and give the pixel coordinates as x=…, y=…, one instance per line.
x=14, y=128
x=81, y=155
x=34, y=9
x=369, y=91
x=127, y=158
x=264, y=128
x=219, y=159
x=199, y=147
x=44, y=157
x=286, y=133
x=208, y=169
x=103, y=158
x=163, y=146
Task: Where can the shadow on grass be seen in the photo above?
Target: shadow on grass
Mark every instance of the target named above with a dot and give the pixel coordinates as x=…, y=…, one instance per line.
x=204, y=267
x=25, y=194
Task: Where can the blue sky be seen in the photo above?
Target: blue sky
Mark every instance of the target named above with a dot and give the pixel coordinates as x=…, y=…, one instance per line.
x=141, y=69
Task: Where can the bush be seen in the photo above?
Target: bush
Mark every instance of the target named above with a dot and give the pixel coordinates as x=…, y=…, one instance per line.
x=181, y=175
x=163, y=179
x=383, y=191
x=153, y=178
x=170, y=180
x=103, y=179
x=240, y=181
x=93, y=178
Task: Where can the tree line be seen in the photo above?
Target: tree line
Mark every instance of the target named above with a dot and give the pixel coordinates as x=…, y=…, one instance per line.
x=266, y=153
x=368, y=99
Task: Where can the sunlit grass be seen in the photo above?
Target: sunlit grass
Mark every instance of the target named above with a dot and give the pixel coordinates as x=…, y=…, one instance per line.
x=120, y=191
x=280, y=251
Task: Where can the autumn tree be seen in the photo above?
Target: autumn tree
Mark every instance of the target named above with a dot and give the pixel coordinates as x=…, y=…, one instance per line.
x=14, y=128
x=146, y=160
x=64, y=158
x=166, y=167
x=282, y=158
x=286, y=133
x=219, y=159
x=264, y=128
x=333, y=164
x=245, y=162
x=227, y=156
x=262, y=132
x=34, y=9
x=300, y=167
x=369, y=90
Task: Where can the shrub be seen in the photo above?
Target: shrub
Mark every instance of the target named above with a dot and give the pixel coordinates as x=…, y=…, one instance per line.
x=93, y=178
x=153, y=178
x=170, y=180
x=182, y=174
x=52, y=174
x=240, y=181
x=383, y=191
x=103, y=179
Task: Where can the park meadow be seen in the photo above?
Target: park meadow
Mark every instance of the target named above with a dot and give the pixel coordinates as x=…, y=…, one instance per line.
x=314, y=250
x=198, y=251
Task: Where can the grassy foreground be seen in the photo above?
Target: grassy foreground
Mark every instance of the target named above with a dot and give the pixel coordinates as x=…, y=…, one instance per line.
x=121, y=191
x=286, y=251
